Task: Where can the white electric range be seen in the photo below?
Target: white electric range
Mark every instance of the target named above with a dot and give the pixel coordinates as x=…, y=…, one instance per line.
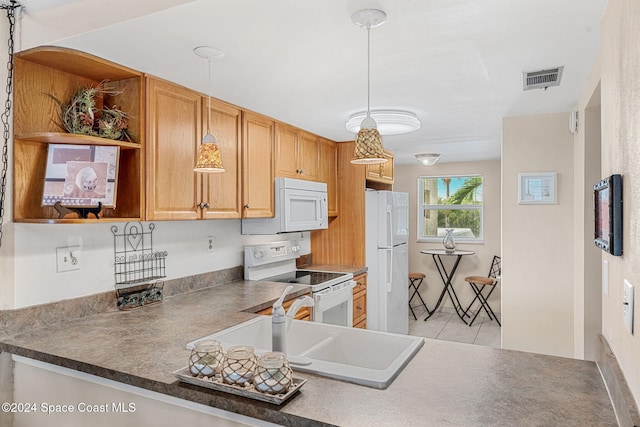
x=332, y=291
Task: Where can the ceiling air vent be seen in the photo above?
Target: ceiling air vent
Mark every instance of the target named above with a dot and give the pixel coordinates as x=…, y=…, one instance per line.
x=542, y=79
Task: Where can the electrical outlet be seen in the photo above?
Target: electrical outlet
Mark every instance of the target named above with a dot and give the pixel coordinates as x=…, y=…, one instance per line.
x=66, y=262
x=627, y=306
x=209, y=243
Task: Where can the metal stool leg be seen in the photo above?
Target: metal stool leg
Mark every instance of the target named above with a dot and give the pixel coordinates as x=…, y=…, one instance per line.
x=484, y=304
x=415, y=284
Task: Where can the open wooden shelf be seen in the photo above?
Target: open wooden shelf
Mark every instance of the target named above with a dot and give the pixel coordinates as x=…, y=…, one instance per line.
x=75, y=139
x=46, y=74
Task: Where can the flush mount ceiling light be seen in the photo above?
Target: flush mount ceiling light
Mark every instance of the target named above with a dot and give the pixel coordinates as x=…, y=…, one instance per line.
x=390, y=122
x=209, y=159
x=428, y=159
x=368, y=149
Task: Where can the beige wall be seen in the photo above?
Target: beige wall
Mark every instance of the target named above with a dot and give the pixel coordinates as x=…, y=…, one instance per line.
x=406, y=179
x=620, y=96
x=587, y=266
x=537, y=240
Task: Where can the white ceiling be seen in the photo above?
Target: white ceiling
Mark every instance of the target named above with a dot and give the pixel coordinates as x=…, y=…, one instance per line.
x=457, y=64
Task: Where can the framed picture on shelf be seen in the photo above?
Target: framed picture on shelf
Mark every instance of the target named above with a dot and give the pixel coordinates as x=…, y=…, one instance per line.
x=81, y=175
x=537, y=188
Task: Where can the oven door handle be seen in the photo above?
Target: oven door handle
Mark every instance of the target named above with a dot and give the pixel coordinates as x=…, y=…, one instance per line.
x=347, y=288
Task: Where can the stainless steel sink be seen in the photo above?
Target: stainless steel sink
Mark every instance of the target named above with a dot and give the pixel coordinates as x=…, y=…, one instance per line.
x=355, y=355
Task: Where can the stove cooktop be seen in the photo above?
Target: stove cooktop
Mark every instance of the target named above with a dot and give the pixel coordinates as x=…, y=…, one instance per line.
x=310, y=278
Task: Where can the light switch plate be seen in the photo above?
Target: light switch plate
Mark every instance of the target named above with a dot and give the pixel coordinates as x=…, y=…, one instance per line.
x=627, y=308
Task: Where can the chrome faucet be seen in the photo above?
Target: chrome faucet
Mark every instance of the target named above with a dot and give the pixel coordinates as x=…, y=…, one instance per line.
x=280, y=322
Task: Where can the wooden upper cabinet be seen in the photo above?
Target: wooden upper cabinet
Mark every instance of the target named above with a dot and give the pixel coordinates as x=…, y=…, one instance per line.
x=328, y=172
x=286, y=158
x=177, y=120
x=381, y=172
x=297, y=154
x=44, y=75
x=258, y=141
x=174, y=133
x=308, y=156
x=222, y=191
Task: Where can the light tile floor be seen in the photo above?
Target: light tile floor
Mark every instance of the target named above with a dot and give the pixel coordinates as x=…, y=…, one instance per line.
x=446, y=325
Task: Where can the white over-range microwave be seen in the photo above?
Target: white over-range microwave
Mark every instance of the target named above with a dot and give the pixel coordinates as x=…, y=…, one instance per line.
x=299, y=206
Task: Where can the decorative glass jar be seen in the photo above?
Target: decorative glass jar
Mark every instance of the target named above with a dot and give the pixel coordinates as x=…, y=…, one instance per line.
x=206, y=358
x=239, y=365
x=448, y=242
x=273, y=374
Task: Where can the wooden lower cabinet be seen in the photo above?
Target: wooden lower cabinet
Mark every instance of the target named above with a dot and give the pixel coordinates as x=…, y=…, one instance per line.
x=303, y=314
x=360, y=301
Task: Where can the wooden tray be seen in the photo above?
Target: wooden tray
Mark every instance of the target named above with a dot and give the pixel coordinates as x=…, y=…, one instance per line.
x=250, y=392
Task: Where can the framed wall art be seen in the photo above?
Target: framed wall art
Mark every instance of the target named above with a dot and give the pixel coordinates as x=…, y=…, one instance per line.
x=607, y=201
x=81, y=175
x=537, y=188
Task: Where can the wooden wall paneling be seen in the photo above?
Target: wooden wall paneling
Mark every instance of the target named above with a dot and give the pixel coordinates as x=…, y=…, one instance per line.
x=343, y=242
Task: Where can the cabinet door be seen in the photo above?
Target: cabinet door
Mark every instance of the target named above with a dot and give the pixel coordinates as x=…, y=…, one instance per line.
x=381, y=172
x=328, y=172
x=174, y=134
x=360, y=301
x=257, y=165
x=308, y=156
x=222, y=191
x=387, y=168
x=286, y=158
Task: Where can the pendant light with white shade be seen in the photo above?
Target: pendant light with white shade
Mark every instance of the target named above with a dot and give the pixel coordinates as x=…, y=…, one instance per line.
x=368, y=145
x=209, y=159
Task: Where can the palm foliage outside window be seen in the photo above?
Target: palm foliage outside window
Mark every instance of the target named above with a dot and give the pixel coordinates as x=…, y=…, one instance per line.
x=450, y=202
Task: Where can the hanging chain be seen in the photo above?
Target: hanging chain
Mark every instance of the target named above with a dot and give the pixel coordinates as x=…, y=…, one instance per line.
x=6, y=115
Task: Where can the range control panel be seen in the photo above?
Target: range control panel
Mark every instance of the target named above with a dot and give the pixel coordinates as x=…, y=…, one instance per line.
x=269, y=253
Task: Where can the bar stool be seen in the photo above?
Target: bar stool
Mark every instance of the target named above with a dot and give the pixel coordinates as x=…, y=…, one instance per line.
x=479, y=283
x=415, y=280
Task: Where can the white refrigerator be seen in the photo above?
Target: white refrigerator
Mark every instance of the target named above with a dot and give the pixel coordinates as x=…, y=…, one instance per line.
x=387, y=258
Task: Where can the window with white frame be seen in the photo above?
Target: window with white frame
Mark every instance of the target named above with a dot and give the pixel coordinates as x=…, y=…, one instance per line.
x=450, y=202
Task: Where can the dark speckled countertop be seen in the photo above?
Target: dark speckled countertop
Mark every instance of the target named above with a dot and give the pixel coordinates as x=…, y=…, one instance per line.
x=445, y=384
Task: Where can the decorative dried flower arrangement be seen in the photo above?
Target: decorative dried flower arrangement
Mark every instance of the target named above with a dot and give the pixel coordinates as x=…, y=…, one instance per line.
x=81, y=116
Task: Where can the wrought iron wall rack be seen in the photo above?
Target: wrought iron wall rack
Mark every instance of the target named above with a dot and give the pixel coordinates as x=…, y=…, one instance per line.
x=137, y=267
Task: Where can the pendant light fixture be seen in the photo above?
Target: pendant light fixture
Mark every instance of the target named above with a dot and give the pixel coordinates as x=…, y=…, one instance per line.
x=209, y=159
x=368, y=149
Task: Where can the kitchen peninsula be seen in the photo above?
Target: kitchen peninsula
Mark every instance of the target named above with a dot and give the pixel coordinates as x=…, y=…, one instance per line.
x=445, y=383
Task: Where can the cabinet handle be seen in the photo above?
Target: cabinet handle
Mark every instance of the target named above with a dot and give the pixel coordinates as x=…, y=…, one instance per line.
x=301, y=171
x=246, y=206
x=203, y=205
